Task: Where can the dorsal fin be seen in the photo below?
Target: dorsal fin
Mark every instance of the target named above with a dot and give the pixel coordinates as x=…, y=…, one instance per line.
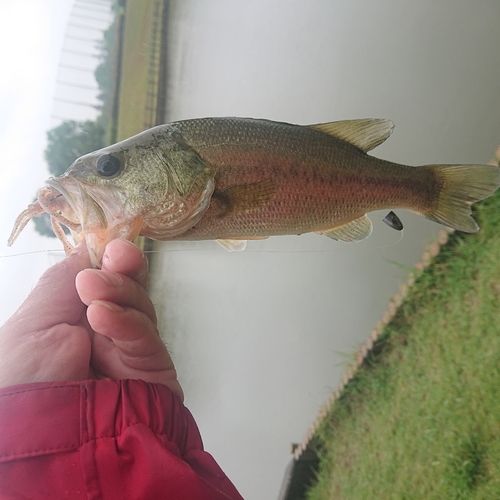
x=365, y=134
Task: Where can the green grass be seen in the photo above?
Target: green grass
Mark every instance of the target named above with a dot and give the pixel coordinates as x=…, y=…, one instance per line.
x=139, y=72
x=421, y=418
x=136, y=66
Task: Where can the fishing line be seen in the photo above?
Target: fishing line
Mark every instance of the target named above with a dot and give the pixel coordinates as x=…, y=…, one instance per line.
x=289, y=251
x=247, y=251
x=392, y=243
x=191, y=250
x=58, y=250
x=187, y=250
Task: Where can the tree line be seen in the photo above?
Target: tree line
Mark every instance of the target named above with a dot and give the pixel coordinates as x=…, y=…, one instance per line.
x=72, y=139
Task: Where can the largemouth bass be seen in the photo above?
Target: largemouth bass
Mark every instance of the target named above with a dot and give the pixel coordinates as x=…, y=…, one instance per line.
x=233, y=179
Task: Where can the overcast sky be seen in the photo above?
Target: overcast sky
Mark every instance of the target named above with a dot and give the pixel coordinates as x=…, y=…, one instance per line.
x=32, y=34
x=31, y=37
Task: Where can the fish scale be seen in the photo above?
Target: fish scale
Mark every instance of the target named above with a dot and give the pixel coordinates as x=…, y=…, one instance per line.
x=322, y=180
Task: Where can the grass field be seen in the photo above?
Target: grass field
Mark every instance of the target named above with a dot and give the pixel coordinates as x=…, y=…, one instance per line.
x=421, y=418
x=140, y=60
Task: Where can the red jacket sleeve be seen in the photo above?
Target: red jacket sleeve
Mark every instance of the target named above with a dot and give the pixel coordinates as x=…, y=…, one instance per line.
x=103, y=440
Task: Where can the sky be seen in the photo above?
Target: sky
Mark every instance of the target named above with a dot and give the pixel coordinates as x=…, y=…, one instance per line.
x=32, y=36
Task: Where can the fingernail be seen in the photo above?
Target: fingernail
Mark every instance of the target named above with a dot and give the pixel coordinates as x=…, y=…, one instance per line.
x=106, y=257
x=110, y=279
x=108, y=305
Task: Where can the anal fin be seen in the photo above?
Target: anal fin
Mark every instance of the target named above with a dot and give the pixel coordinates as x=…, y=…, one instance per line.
x=357, y=229
x=233, y=245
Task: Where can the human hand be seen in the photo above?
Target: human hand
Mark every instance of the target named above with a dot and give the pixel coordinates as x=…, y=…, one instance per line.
x=48, y=338
x=54, y=337
x=127, y=343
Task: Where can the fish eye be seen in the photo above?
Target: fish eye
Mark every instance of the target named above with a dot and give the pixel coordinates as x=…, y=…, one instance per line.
x=108, y=165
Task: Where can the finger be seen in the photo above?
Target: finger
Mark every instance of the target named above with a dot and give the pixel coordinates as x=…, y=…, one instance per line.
x=57, y=284
x=131, y=330
x=136, y=350
x=95, y=284
x=123, y=257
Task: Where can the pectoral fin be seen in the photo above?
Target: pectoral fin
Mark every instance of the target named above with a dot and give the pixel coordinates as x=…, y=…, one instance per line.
x=245, y=197
x=365, y=134
x=356, y=230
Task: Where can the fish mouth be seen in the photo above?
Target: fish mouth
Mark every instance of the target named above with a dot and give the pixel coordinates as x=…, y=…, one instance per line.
x=58, y=187
x=81, y=208
x=91, y=212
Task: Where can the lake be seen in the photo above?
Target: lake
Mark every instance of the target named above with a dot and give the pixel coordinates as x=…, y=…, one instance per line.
x=261, y=338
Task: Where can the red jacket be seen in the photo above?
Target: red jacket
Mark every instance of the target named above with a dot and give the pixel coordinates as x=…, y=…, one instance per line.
x=103, y=439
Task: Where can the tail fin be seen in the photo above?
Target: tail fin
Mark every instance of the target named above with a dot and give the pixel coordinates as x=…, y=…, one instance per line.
x=461, y=186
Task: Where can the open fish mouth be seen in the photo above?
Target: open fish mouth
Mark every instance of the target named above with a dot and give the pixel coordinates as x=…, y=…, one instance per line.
x=60, y=198
x=87, y=213
x=55, y=200
x=93, y=213
x=77, y=205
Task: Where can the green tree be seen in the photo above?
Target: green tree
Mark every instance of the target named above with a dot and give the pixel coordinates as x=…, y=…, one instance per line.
x=67, y=142
x=43, y=226
x=70, y=140
x=105, y=72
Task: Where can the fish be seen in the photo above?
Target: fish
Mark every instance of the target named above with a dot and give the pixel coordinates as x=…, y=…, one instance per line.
x=237, y=179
